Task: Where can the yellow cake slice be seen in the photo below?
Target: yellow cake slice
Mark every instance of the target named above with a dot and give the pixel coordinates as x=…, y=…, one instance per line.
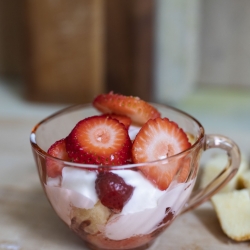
x=233, y=211
x=215, y=165
x=244, y=179
x=90, y=220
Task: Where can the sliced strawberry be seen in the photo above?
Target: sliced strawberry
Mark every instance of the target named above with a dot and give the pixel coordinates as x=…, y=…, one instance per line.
x=125, y=120
x=159, y=139
x=58, y=150
x=138, y=110
x=112, y=191
x=99, y=140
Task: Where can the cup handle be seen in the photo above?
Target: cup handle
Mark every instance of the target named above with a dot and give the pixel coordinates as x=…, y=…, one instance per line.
x=233, y=153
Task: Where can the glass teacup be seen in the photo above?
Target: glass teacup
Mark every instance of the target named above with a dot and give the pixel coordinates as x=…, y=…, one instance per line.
x=149, y=211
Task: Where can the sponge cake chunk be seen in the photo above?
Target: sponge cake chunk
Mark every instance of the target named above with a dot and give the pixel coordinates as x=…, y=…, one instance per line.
x=215, y=165
x=233, y=211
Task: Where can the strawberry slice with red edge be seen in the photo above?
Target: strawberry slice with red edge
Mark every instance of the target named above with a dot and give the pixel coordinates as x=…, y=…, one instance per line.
x=112, y=191
x=99, y=140
x=159, y=139
x=58, y=150
x=138, y=110
x=125, y=120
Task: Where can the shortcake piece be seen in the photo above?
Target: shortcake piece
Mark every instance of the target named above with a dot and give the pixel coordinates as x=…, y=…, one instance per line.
x=244, y=179
x=233, y=211
x=215, y=165
x=90, y=220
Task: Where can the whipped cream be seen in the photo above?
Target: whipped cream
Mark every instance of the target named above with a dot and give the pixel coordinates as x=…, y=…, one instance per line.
x=76, y=188
x=81, y=181
x=134, y=222
x=144, y=196
x=71, y=192
x=133, y=131
x=147, y=202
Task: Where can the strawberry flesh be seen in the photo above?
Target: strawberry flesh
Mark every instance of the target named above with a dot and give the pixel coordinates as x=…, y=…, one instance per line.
x=125, y=120
x=99, y=140
x=112, y=191
x=159, y=139
x=58, y=150
x=138, y=110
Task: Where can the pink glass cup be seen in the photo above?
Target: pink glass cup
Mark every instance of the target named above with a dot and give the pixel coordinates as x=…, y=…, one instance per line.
x=148, y=211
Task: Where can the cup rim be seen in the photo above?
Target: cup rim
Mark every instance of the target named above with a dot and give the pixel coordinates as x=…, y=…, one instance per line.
x=70, y=108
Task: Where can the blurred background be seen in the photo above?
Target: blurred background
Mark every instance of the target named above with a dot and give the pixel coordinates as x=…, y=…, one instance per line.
x=162, y=50
x=192, y=54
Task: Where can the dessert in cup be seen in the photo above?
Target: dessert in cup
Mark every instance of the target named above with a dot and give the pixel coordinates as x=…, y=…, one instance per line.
x=119, y=170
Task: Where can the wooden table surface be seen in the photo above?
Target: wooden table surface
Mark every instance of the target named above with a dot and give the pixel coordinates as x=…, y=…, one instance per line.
x=27, y=221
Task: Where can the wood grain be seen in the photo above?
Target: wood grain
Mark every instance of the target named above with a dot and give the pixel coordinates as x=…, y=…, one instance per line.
x=65, y=50
x=70, y=51
x=11, y=37
x=129, y=46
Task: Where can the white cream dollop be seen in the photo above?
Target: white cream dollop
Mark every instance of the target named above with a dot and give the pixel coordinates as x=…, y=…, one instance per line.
x=147, y=203
x=144, y=221
x=77, y=189
x=133, y=131
x=144, y=196
x=81, y=181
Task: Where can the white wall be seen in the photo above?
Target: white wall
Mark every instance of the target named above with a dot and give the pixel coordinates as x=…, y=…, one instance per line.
x=201, y=42
x=225, y=43
x=176, y=52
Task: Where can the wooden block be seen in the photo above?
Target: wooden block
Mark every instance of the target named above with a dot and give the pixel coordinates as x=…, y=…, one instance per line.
x=65, y=53
x=129, y=50
x=11, y=37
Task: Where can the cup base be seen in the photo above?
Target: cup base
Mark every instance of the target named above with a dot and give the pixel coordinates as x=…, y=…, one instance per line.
x=143, y=242
x=143, y=247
